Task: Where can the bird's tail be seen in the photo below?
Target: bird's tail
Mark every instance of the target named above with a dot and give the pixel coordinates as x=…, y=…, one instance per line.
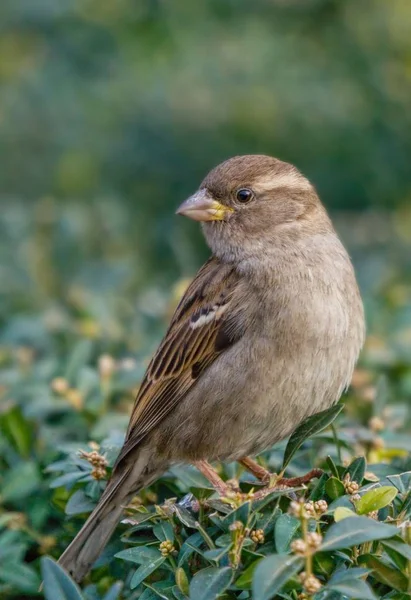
x=90, y=541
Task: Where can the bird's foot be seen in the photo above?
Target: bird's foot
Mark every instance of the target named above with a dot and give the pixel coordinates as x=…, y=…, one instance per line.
x=296, y=481
x=230, y=490
x=273, y=481
x=282, y=483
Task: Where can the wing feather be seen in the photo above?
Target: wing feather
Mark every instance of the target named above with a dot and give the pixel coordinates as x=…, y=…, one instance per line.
x=202, y=327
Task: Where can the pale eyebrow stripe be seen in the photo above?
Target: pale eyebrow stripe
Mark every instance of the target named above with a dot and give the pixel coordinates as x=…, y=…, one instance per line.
x=291, y=180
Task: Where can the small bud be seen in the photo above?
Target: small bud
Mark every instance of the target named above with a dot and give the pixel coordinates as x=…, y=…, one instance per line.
x=312, y=585
x=376, y=424
x=47, y=543
x=320, y=507
x=295, y=508
x=134, y=504
x=351, y=487
x=355, y=497
x=167, y=548
x=369, y=393
x=128, y=364
x=94, y=458
x=373, y=515
x=309, y=509
x=17, y=521
x=236, y=526
x=378, y=443
x=75, y=398
x=314, y=540
x=99, y=473
x=257, y=536
x=302, y=576
x=97, y=461
x=299, y=547
x=298, y=509
x=88, y=328
x=60, y=385
x=106, y=366
x=360, y=378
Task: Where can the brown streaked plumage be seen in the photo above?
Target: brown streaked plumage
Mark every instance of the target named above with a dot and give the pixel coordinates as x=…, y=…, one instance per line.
x=267, y=333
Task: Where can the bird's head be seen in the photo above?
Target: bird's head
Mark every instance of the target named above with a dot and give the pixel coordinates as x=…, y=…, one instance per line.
x=254, y=201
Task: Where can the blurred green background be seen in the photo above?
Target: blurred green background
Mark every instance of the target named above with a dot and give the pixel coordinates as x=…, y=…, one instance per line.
x=111, y=113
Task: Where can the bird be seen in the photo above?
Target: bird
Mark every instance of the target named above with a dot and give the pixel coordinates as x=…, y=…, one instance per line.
x=267, y=334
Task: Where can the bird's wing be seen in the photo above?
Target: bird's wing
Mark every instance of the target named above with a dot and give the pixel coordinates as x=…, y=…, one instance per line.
x=206, y=322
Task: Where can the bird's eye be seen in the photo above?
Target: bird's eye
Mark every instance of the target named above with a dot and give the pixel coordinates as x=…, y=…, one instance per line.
x=244, y=195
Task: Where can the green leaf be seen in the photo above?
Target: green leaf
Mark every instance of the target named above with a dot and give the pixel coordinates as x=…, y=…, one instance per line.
x=406, y=507
x=345, y=574
x=217, y=553
x=309, y=427
x=58, y=585
x=382, y=395
x=79, y=357
x=402, y=482
x=375, y=499
x=20, y=576
x=69, y=479
x=192, y=544
x=341, y=512
x=178, y=594
x=333, y=468
x=114, y=591
x=246, y=578
x=140, y=555
x=319, y=489
x=272, y=573
x=145, y=570
x=398, y=546
x=209, y=584
x=334, y=488
x=185, y=516
x=384, y=573
x=242, y=514
x=149, y=594
x=22, y=481
x=17, y=430
x=164, y=531
x=351, y=532
x=324, y=563
x=182, y=581
x=356, y=589
x=284, y=530
x=79, y=503
x=356, y=470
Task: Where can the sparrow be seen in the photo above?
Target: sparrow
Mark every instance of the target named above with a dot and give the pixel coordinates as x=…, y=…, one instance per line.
x=267, y=334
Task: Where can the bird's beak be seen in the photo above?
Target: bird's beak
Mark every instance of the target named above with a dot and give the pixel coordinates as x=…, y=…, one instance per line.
x=202, y=207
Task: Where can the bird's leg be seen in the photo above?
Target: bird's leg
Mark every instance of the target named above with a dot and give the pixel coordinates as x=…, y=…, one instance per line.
x=295, y=481
x=272, y=480
x=213, y=477
x=257, y=470
x=283, y=482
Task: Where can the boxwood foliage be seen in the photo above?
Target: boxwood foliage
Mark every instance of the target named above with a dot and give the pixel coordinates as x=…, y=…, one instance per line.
x=343, y=535
x=71, y=358
x=347, y=533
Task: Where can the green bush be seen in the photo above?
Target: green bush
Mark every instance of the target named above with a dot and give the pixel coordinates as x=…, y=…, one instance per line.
x=79, y=319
